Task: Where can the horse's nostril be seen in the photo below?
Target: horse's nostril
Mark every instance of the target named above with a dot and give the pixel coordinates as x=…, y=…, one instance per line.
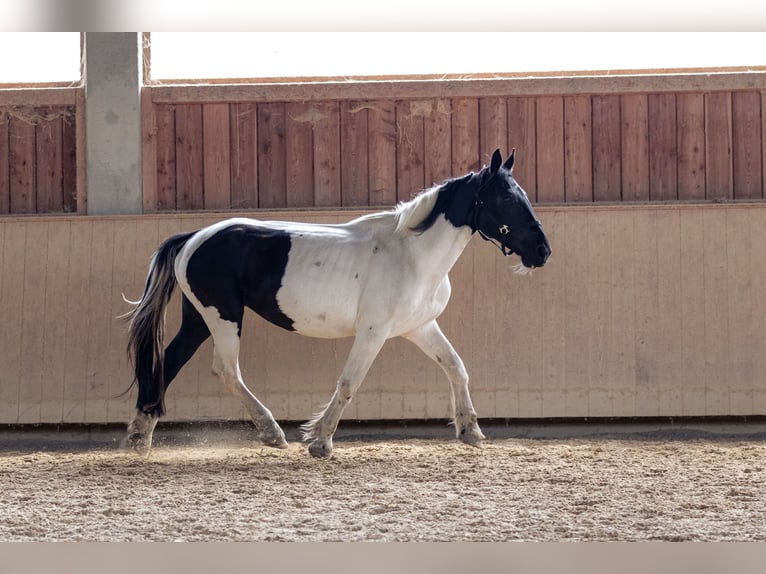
x=543, y=252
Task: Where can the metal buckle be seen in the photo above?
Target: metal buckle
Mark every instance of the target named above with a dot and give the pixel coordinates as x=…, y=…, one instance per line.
x=504, y=230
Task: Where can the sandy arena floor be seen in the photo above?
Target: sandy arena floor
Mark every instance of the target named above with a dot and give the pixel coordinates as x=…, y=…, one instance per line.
x=406, y=483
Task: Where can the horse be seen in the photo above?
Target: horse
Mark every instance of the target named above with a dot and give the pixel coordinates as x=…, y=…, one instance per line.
x=378, y=276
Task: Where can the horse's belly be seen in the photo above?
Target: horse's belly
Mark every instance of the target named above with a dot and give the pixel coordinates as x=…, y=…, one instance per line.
x=320, y=304
x=319, y=313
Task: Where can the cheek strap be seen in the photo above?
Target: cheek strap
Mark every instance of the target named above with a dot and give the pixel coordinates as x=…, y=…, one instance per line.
x=503, y=229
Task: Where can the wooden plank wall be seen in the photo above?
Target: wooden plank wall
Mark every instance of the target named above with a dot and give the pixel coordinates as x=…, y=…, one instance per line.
x=38, y=163
x=650, y=310
x=578, y=148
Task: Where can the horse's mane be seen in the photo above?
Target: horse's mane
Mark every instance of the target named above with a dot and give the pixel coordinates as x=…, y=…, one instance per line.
x=420, y=213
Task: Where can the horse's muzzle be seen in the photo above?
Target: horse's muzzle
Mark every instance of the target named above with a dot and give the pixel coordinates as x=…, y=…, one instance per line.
x=538, y=257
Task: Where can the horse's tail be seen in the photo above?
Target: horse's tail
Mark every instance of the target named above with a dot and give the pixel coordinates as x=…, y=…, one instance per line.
x=146, y=333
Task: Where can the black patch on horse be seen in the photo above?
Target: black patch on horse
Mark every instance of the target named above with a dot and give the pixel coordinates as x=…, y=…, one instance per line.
x=453, y=200
x=241, y=265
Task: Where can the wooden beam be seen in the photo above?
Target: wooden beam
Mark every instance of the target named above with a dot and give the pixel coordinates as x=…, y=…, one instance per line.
x=304, y=91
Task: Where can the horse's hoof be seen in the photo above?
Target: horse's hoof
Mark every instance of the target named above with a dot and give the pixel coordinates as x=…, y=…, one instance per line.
x=472, y=436
x=274, y=437
x=275, y=442
x=137, y=443
x=321, y=448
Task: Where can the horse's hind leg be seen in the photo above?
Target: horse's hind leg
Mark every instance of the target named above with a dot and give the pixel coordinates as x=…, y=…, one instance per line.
x=430, y=339
x=226, y=367
x=190, y=336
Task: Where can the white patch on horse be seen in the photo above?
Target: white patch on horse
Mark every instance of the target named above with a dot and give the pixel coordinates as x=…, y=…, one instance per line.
x=370, y=277
x=411, y=213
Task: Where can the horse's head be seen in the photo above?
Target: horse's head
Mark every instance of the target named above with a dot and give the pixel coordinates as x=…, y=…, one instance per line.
x=502, y=213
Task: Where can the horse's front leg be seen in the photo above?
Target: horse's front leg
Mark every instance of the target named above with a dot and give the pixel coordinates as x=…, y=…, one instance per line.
x=430, y=339
x=320, y=429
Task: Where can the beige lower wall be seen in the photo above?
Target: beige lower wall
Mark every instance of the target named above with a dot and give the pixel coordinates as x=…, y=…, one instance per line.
x=654, y=310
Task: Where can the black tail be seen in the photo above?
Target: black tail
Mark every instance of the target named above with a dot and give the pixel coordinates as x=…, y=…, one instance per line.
x=146, y=334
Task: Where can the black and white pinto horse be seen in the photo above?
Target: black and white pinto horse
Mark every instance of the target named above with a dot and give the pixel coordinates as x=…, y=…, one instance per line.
x=379, y=276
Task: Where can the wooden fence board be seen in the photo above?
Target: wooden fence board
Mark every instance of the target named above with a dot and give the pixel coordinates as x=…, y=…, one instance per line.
x=100, y=289
x=669, y=318
x=635, y=147
x=553, y=318
x=746, y=148
x=716, y=334
x=513, y=361
x=5, y=175
x=757, y=267
x=690, y=116
x=271, y=156
x=78, y=313
x=763, y=142
x=578, y=149
x=48, y=163
x=646, y=303
x=718, y=146
x=465, y=135
x=484, y=284
x=693, y=313
x=189, y=157
x=299, y=148
x=55, y=320
x=522, y=118
x=150, y=151
x=550, y=149
x=621, y=349
x=493, y=128
x=522, y=335
x=216, y=158
x=607, y=176
x=354, y=171
x=578, y=307
x=381, y=145
x=437, y=135
x=126, y=282
x=3, y=257
x=410, y=176
x=663, y=158
x=166, y=159
x=598, y=297
x=22, y=165
x=70, y=159
x=12, y=296
x=33, y=324
x=244, y=155
x=79, y=152
x=327, y=157
x=740, y=310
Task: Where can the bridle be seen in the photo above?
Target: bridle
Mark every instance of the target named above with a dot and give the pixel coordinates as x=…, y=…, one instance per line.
x=502, y=228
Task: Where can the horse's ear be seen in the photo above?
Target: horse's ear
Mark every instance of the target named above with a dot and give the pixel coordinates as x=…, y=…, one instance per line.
x=497, y=159
x=509, y=162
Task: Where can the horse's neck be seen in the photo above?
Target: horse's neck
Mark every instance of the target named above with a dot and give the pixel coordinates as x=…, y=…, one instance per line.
x=440, y=247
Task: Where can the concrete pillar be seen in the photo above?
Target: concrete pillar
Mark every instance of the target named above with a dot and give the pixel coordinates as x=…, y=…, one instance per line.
x=113, y=122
